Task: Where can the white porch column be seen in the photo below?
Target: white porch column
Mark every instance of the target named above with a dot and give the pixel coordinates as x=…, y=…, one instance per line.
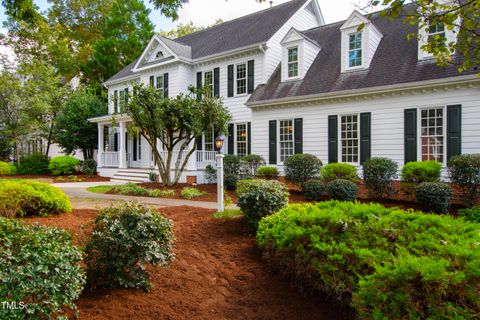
x=101, y=146
x=122, y=154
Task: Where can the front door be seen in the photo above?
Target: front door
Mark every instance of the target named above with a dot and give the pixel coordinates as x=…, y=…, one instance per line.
x=136, y=151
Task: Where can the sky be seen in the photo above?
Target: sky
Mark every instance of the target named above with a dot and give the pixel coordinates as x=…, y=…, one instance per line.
x=206, y=12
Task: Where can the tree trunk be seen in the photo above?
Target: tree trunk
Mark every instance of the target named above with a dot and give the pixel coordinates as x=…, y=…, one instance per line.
x=49, y=139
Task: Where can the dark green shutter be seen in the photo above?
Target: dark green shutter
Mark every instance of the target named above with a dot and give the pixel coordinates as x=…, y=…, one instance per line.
x=365, y=136
x=454, y=130
x=115, y=141
x=332, y=139
x=249, y=138
x=231, y=142
x=199, y=142
x=216, y=82
x=199, y=83
x=152, y=81
x=272, y=142
x=230, y=80
x=165, y=85
x=126, y=97
x=410, y=132
x=251, y=76
x=298, y=135
x=115, y=101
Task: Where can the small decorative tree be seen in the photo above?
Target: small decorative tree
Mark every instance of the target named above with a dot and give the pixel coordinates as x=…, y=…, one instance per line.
x=175, y=123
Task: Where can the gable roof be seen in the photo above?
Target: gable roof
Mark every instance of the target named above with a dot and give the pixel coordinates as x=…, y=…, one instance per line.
x=395, y=62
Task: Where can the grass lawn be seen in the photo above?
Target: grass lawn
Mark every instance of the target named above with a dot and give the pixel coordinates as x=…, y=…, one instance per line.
x=100, y=189
x=228, y=214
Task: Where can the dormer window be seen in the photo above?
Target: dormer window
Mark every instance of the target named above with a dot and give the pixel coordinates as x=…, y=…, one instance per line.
x=355, y=50
x=436, y=33
x=293, y=62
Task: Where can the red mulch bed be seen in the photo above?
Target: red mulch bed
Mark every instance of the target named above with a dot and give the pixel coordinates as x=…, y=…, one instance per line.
x=66, y=178
x=217, y=274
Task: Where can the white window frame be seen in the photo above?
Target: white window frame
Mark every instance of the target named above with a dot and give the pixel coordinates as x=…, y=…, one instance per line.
x=340, y=144
x=156, y=82
x=205, y=141
x=297, y=62
x=362, y=57
x=444, y=32
x=236, y=138
x=204, y=79
x=444, y=131
x=237, y=79
x=279, y=141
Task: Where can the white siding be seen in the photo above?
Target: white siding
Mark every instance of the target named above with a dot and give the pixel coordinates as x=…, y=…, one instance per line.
x=387, y=122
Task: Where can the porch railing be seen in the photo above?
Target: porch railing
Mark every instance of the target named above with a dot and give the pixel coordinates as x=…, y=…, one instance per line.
x=205, y=158
x=109, y=159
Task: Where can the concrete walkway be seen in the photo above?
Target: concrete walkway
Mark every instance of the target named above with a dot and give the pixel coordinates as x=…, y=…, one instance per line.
x=78, y=190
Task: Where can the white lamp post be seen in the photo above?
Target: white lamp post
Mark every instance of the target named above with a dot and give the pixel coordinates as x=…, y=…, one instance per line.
x=219, y=157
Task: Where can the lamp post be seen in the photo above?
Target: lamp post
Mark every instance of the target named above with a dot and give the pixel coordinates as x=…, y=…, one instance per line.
x=219, y=157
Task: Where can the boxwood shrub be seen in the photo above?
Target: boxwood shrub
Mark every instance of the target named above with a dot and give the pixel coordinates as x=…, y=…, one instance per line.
x=302, y=167
x=267, y=172
x=343, y=190
x=24, y=197
x=35, y=163
x=230, y=181
x=423, y=171
x=89, y=167
x=385, y=263
x=124, y=239
x=465, y=172
x=435, y=196
x=313, y=189
x=334, y=171
x=378, y=175
x=39, y=270
x=258, y=198
x=7, y=169
x=250, y=163
x=63, y=165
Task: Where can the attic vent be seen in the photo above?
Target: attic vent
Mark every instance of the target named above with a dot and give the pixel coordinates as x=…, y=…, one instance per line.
x=159, y=55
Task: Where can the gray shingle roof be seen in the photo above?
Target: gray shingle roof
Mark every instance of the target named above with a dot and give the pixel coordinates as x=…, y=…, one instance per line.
x=125, y=72
x=395, y=62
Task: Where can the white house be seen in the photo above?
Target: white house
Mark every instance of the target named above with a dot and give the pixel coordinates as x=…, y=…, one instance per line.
x=294, y=84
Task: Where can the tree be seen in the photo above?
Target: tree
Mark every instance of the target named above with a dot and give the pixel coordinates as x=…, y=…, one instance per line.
x=460, y=15
x=72, y=129
x=184, y=29
x=175, y=123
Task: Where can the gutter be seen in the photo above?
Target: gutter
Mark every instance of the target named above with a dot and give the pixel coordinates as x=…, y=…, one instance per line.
x=365, y=91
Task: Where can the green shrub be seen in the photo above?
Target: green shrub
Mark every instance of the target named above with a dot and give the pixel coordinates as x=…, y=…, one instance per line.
x=343, y=190
x=435, y=196
x=470, y=214
x=424, y=171
x=89, y=167
x=210, y=174
x=313, y=189
x=130, y=189
x=267, y=172
x=465, y=172
x=302, y=167
x=385, y=262
x=35, y=163
x=250, y=163
x=25, y=197
x=378, y=175
x=230, y=181
x=63, y=165
x=7, y=169
x=161, y=193
x=39, y=270
x=258, y=198
x=334, y=171
x=124, y=239
x=231, y=164
x=189, y=193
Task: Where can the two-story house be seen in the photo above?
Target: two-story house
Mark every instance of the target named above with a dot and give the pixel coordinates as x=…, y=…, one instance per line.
x=294, y=84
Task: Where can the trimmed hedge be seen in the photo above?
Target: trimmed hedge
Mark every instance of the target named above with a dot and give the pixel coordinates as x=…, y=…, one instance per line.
x=258, y=198
x=25, y=197
x=385, y=263
x=230, y=181
x=343, y=190
x=7, y=169
x=465, y=172
x=267, y=172
x=39, y=270
x=250, y=163
x=302, y=167
x=334, y=171
x=34, y=164
x=313, y=189
x=378, y=175
x=63, y=165
x=435, y=196
x=424, y=171
x=125, y=238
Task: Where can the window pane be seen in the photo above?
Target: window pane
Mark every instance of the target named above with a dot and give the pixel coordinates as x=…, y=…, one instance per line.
x=432, y=139
x=292, y=54
x=241, y=78
x=286, y=139
x=241, y=139
x=349, y=138
x=209, y=141
x=208, y=82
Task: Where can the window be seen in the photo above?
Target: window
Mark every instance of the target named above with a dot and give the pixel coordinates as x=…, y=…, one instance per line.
x=209, y=141
x=293, y=62
x=241, y=139
x=208, y=82
x=286, y=139
x=115, y=101
x=349, y=134
x=121, y=100
x=241, y=78
x=436, y=33
x=160, y=85
x=159, y=55
x=432, y=134
x=355, y=49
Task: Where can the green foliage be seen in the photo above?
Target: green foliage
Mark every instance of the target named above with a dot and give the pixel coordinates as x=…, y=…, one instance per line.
x=35, y=163
x=26, y=197
x=152, y=176
x=72, y=129
x=231, y=164
x=125, y=238
x=100, y=189
x=130, y=189
x=7, y=169
x=378, y=174
x=161, y=193
x=89, y=167
x=465, y=172
x=435, y=196
x=385, y=262
x=250, y=163
x=228, y=214
x=302, y=167
x=63, y=165
x=470, y=214
x=341, y=189
x=189, y=193
x=424, y=171
x=210, y=174
x=313, y=189
x=184, y=29
x=230, y=181
x=267, y=172
x=334, y=171
x=258, y=198
x=39, y=268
